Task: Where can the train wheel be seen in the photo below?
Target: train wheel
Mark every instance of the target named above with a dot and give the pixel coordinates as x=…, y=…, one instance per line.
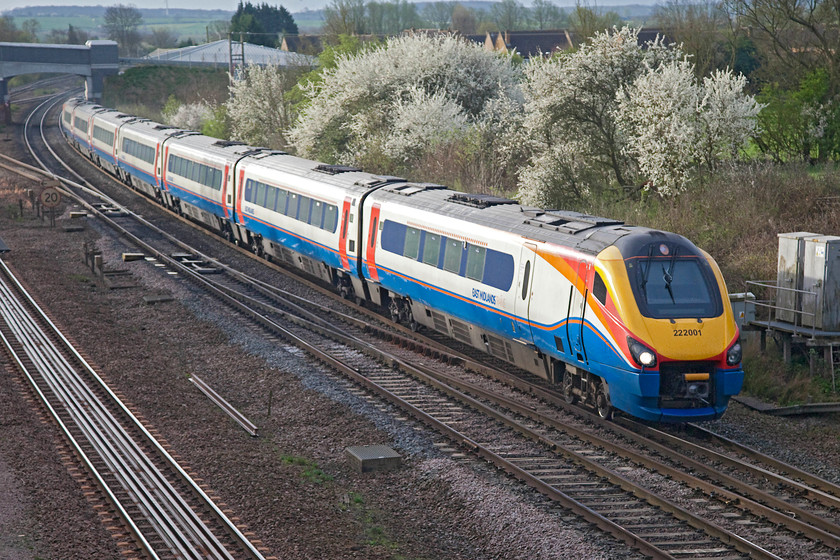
x=568, y=387
x=602, y=402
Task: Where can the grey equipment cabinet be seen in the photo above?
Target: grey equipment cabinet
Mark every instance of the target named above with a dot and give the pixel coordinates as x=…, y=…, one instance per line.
x=822, y=277
x=790, y=274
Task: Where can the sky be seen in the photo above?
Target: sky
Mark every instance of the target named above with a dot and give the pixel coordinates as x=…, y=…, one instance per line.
x=230, y=5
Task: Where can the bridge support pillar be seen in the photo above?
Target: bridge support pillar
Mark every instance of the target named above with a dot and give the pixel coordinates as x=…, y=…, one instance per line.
x=6, y=107
x=94, y=86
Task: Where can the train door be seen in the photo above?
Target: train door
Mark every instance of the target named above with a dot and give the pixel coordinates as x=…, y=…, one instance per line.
x=577, y=310
x=525, y=287
x=227, y=192
x=344, y=224
x=370, y=247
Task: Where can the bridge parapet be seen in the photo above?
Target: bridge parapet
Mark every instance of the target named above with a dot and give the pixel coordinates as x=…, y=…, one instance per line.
x=94, y=60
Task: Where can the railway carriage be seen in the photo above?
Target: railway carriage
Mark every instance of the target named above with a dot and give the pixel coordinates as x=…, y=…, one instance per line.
x=301, y=212
x=79, y=127
x=619, y=316
x=579, y=300
x=198, y=177
x=140, y=155
x=105, y=126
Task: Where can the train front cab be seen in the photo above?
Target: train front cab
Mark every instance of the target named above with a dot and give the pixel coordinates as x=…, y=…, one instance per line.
x=680, y=355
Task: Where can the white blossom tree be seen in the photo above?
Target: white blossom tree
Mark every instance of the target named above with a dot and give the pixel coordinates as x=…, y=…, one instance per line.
x=572, y=99
x=728, y=117
x=391, y=105
x=258, y=108
x=620, y=113
x=658, y=116
x=191, y=116
x=673, y=124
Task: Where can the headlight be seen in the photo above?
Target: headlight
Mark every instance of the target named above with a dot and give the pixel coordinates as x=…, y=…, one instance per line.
x=733, y=355
x=643, y=355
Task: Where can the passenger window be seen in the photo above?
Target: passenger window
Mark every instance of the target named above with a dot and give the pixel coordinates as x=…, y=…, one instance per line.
x=291, y=211
x=303, y=209
x=525, y=279
x=271, y=198
x=281, y=201
x=452, y=256
x=412, y=243
x=475, y=262
x=330, y=218
x=431, y=249
x=317, y=212
x=260, y=199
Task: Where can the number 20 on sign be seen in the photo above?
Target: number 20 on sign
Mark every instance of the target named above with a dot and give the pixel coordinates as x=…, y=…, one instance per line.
x=50, y=197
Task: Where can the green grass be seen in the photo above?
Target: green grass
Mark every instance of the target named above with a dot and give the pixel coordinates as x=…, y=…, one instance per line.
x=184, y=28
x=374, y=530
x=311, y=472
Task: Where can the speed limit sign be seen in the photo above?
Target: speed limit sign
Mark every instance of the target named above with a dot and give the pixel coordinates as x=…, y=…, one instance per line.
x=50, y=197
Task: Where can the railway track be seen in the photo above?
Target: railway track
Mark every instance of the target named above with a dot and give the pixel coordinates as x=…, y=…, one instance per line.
x=536, y=440
x=165, y=511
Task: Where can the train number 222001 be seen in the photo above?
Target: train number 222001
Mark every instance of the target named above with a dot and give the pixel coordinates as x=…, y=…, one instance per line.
x=688, y=332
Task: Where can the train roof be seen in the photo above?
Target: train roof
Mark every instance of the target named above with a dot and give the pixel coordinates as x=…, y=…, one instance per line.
x=115, y=117
x=351, y=179
x=582, y=232
x=151, y=129
x=213, y=146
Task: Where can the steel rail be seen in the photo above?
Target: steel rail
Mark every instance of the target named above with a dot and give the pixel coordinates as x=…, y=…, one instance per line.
x=125, y=459
x=230, y=527
x=80, y=453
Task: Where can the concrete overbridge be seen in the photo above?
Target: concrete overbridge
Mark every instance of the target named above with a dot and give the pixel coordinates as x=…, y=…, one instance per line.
x=94, y=60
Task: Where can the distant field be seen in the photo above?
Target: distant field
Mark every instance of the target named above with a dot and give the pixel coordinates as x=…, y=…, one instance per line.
x=185, y=24
x=184, y=28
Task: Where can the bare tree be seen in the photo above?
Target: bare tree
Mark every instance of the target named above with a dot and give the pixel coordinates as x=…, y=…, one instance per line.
x=163, y=38
x=438, y=14
x=122, y=23
x=508, y=15
x=464, y=20
x=545, y=15
x=585, y=20
x=800, y=36
x=30, y=27
x=699, y=27
x=345, y=17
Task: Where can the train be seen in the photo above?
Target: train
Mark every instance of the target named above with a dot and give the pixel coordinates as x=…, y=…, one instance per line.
x=619, y=317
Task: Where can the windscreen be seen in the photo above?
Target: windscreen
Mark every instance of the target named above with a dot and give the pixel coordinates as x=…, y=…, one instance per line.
x=674, y=287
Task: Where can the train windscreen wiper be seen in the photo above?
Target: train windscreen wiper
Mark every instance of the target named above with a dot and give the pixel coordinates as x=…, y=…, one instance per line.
x=668, y=275
x=643, y=283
